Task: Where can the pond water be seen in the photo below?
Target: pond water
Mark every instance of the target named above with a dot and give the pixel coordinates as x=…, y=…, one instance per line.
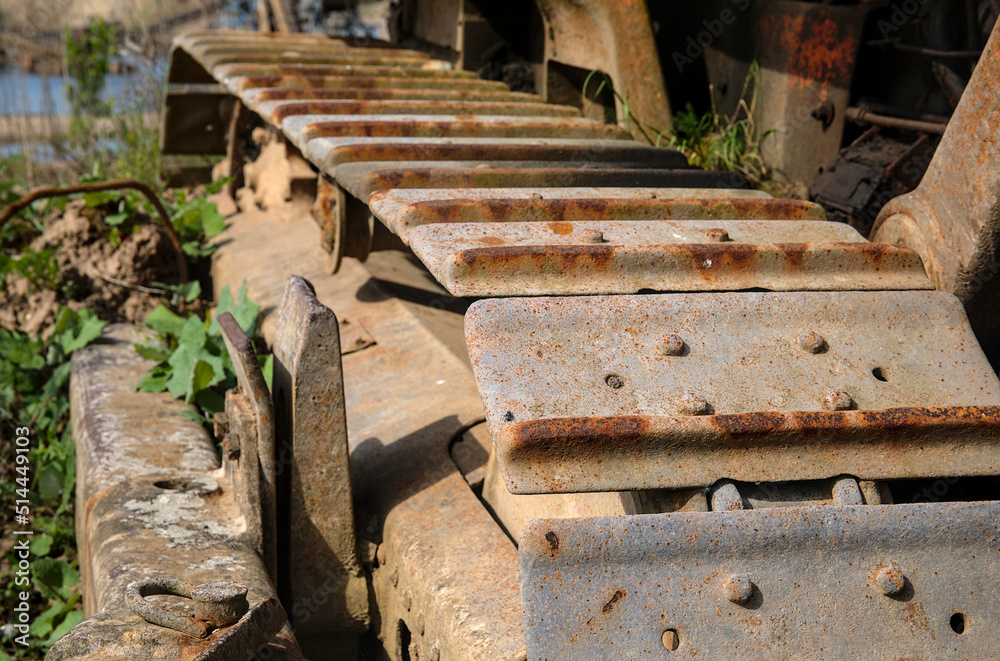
x=32, y=94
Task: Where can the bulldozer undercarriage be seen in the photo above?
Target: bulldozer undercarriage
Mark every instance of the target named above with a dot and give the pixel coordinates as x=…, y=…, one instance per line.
x=544, y=391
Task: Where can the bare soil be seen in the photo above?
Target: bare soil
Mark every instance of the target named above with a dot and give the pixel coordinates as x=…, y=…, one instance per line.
x=115, y=282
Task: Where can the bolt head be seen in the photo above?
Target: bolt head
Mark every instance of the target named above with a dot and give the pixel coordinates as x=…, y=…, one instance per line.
x=812, y=342
x=717, y=234
x=692, y=404
x=593, y=236
x=738, y=588
x=670, y=640
x=837, y=400
x=889, y=580
x=671, y=344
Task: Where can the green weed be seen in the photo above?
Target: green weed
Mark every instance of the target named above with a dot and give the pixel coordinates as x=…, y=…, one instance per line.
x=34, y=378
x=193, y=363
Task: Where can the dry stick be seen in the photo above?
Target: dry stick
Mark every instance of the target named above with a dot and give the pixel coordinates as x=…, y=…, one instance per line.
x=55, y=191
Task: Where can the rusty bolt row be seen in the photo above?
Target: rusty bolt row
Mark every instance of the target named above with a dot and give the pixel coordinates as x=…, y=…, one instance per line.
x=888, y=580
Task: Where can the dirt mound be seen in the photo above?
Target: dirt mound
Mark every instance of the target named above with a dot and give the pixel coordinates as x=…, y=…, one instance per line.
x=115, y=281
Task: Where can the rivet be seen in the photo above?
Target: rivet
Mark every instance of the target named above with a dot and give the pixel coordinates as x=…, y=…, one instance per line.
x=738, y=588
x=614, y=381
x=593, y=236
x=670, y=639
x=692, y=404
x=837, y=400
x=672, y=344
x=717, y=234
x=890, y=580
x=812, y=342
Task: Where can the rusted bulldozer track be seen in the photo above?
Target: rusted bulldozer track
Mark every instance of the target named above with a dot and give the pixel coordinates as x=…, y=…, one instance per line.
x=653, y=341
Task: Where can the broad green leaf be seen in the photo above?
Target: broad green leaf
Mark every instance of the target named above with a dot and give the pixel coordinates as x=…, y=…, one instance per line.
x=165, y=322
x=41, y=545
x=98, y=198
x=157, y=383
x=49, y=483
x=116, y=219
x=193, y=333
x=54, y=578
x=155, y=352
x=212, y=222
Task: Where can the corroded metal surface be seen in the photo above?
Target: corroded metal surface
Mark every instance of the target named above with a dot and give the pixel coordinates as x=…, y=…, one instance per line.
x=249, y=459
x=150, y=506
x=403, y=210
x=436, y=543
x=317, y=509
x=872, y=582
x=953, y=217
x=278, y=111
x=363, y=179
x=591, y=393
x=567, y=258
x=614, y=37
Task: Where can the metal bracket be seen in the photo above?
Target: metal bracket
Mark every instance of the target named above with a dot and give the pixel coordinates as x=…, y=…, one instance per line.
x=248, y=443
x=317, y=508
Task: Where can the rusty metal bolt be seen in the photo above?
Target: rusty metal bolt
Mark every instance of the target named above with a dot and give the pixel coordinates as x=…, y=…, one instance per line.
x=670, y=639
x=837, y=400
x=738, y=588
x=222, y=603
x=889, y=580
x=824, y=112
x=672, y=344
x=614, y=381
x=812, y=342
x=692, y=404
x=593, y=236
x=717, y=234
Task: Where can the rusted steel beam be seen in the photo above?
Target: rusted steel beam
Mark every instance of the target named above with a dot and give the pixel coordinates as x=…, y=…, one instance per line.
x=363, y=179
x=277, y=111
x=638, y=392
x=953, y=217
x=328, y=153
x=300, y=129
x=403, y=210
x=536, y=259
x=238, y=84
x=264, y=94
x=225, y=71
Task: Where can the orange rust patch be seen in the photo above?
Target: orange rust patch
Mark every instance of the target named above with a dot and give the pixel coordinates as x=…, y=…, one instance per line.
x=561, y=228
